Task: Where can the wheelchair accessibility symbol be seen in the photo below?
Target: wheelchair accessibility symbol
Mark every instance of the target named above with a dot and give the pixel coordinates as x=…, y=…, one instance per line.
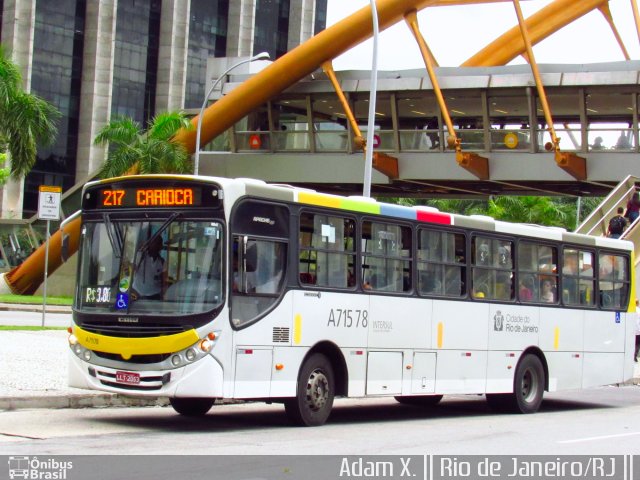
x=122, y=301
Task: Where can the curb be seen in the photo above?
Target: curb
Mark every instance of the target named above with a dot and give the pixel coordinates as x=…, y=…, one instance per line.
x=31, y=307
x=80, y=401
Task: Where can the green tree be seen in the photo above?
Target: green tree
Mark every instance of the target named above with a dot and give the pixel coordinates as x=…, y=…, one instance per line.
x=26, y=120
x=132, y=150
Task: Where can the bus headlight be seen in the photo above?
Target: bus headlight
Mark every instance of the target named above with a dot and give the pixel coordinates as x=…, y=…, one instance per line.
x=206, y=345
x=77, y=348
x=87, y=355
x=190, y=354
x=176, y=360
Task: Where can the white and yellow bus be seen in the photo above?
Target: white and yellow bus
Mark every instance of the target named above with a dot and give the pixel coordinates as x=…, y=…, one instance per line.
x=198, y=289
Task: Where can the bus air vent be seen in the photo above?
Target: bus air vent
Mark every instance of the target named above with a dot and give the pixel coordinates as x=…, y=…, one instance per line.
x=280, y=335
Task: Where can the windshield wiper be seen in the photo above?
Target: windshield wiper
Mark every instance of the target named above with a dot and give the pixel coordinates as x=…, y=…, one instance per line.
x=116, y=242
x=142, y=249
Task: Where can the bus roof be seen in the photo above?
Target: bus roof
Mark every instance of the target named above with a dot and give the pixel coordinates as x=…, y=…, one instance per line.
x=287, y=193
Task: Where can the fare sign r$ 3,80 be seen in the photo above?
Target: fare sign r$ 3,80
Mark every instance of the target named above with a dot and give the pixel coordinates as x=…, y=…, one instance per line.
x=49, y=202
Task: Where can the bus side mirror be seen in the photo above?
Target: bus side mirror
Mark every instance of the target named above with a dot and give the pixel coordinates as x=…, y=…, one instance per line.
x=64, y=249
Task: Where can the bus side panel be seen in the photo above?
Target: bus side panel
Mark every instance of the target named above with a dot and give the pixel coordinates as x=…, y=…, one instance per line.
x=459, y=333
x=396, y=322
x=561, y=330
x=630, y=345
x=500, y=368
x=603, y=369
x=512, y=327
x=459, y=325
x=285, y=380
x=340, y=318
x=253, y=371
x=422, y=374
x=253, y=351
x=337, y=317
x=604, y=331
x=565, y=370
x=461, y=371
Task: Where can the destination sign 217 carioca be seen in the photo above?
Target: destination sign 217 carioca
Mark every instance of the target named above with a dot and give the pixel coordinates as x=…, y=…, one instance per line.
x=147, y=196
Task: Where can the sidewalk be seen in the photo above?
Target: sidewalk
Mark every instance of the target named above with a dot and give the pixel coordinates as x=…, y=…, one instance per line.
x=33, y=374
x=31, y=307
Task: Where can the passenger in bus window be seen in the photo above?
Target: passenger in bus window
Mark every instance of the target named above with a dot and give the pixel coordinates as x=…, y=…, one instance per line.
x=147, y=281
x=525, y=292
x=546, y=295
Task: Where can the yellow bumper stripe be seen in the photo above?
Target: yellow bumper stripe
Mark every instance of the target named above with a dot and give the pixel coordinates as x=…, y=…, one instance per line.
x=126, y=347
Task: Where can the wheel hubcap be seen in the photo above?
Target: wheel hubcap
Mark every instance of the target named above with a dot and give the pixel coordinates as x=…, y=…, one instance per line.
x=529, y=386
x=317, y=390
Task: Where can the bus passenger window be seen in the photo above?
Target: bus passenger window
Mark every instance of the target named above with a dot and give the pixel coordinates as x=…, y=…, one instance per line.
x=327, y=251
x=537, y=273
x=386, y=261
x=492, y=273
x=441, y=263
x=613, y=281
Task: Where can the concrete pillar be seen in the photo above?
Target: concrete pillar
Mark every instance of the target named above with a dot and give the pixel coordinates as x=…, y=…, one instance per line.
x=18, y=26
x=18, y=22
x=172, y=62
x=241, y=28
x=302, y=16
x=97, y=83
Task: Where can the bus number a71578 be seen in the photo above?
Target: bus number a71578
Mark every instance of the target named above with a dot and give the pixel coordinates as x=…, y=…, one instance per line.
x=348, y=318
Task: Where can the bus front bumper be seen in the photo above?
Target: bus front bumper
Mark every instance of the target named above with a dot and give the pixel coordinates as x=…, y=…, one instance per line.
x=203, y=378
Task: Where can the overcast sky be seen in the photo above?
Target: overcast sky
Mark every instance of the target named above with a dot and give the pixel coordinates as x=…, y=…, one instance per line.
x=456, y=33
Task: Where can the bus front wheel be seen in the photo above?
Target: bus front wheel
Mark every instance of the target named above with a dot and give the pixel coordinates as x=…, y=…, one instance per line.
x=315, y=393
x=528, y=388
x=192, y=407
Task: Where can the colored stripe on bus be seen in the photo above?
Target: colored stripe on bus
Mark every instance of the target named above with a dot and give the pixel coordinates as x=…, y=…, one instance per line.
x=434, y=217
x=361, y=206
x=319, y=199
x=128, y=346
x=398, y=211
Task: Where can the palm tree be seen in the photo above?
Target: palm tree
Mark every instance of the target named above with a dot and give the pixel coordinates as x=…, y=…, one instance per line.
x=135, y=151
x=26, y=120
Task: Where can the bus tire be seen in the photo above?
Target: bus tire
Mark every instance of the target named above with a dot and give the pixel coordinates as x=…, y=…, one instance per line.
x=528, y=388
x=312, y=404
x=420, y=400
x=192, y=407
x=528, y=385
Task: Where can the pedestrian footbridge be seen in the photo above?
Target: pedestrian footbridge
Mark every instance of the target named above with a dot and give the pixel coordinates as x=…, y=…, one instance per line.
x=303, y=137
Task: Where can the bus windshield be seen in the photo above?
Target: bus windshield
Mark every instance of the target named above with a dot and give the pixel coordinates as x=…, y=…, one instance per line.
x=165, y=267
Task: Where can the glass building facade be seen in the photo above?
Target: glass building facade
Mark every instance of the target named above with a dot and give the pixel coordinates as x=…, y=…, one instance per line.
x=127, y=78
x=207, y=38
x=320, y=22
x=57, y=68
x=136, y=59
x=272, y=27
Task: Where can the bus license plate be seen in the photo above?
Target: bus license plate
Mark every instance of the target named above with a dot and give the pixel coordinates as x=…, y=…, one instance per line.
x=128, y=378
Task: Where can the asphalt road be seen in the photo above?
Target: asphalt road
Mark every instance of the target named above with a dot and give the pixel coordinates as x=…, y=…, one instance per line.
x=34, y=318
x=599, y=421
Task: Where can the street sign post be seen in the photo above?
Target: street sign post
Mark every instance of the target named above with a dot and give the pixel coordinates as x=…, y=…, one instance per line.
x=48, y=209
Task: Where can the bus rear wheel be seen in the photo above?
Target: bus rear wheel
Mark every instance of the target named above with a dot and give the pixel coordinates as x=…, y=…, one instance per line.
x=420, y=400
x=528, y=388
x=192, y=407
x=315, y=393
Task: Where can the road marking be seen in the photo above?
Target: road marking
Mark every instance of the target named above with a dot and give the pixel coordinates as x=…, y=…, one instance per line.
x=603, y=437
